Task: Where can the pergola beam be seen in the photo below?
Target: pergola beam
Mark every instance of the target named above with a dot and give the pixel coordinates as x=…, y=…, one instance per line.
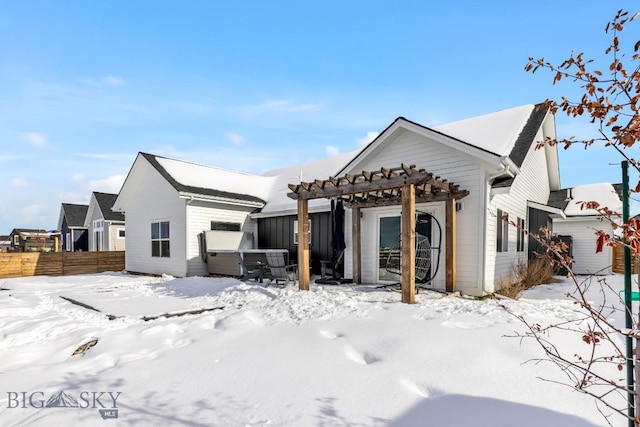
x=405, y=186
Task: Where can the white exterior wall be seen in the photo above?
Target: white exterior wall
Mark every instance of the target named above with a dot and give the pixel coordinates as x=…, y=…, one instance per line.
x=531, y=184
x=451, y=164
x=586, y=260
x=111, y=240
x=199, y=217
x=150, y=198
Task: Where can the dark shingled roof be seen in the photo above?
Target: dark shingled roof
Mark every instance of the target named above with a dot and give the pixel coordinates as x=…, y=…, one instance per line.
x=105, y=203
x=196, y=190
x=523, y=143
x=528, y=134
x=75, y=214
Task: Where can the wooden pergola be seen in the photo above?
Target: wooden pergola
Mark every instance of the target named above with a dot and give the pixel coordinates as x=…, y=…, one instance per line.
x=404, y=185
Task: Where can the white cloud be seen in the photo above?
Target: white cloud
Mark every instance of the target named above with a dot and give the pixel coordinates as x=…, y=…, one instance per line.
x=113, y=81
x=77, y=177
x=111, y=184
x=71, y=197
x=371, y=135
x=18, y=182
x=331, y=150
x=235, y=139
x=36, y=139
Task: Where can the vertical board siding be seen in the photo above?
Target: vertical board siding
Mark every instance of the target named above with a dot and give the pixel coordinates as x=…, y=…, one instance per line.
x=277, y=233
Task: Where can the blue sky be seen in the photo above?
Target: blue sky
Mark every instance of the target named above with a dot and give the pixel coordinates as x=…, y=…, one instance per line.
x=254, y=85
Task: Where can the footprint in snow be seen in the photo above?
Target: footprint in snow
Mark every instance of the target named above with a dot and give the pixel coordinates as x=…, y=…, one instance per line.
x=362, y=358
x=416, y=388
x=330, y=335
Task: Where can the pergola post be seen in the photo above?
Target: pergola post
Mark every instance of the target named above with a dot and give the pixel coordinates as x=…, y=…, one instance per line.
x=355, y=243
x=303, y=244
x=450, y=245
x=408, y=240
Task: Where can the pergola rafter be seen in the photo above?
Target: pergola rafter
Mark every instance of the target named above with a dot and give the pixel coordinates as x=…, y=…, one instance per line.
x=404, y=185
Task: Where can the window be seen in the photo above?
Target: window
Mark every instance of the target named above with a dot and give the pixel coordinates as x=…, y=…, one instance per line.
x=67, y=245
x=98, y=235
x=225, y=226
x=521, y=234
x=120, y=233
x=502, y=228
x=16, y=240
x=295, y=232
x=160, y=239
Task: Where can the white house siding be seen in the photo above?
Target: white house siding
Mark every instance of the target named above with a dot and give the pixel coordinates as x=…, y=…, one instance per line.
x=531, y=184
x=448, y=163
x=583, y=230
x=112, y=241
x=199, y=217
x=156, y=201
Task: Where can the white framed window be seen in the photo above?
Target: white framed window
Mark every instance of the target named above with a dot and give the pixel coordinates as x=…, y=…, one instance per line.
x=160, y=239
x=98, y=235
x=295, y=232
x=68, y=242
x=121, y=233
x=16, y=239
x=502, y=228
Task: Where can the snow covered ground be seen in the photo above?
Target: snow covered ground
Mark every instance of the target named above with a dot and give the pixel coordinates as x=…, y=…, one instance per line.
x=333, y=356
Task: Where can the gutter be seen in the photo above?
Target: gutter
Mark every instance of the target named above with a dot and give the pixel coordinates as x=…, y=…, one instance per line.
x=224, y=200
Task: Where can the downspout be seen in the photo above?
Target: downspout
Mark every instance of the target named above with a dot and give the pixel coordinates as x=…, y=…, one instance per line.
x=507, y=168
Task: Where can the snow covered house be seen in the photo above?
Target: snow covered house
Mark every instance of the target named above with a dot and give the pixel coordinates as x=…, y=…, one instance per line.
x=168, y=203
x=580, y=225
x=492, y=159
x=106, y=227
x=73, y=232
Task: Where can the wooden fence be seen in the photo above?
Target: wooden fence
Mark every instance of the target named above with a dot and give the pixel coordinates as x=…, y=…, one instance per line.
x=59, y=263
x=618, y=260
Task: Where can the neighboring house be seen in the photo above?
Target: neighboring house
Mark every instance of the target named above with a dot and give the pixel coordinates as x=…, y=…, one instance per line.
x=5, y=243
x=73, y=232
x=33, y=240
x=168, y=203
x=580, y=225
x=106, y=227
x=494, y=157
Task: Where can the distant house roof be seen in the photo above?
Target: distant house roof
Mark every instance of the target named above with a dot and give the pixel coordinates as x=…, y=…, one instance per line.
x=105, y=202
x=75, y=214
x=568, y=199
x=187, y=177
x=31, y=232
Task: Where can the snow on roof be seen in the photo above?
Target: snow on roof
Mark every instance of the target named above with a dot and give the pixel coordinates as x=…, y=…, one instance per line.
x=603, y=193
x=319, y=169
x=494, y=132
x=196, y=175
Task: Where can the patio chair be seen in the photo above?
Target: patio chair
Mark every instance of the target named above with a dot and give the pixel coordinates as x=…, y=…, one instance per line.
x=251, y=270
x=279, y=270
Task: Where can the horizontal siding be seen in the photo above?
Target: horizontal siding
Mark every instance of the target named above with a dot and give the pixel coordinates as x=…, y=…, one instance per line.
x=450, y=164
x=59, y=263
x=154, y=200
x=199, y=217
x=531, y=184
x=586, y=260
